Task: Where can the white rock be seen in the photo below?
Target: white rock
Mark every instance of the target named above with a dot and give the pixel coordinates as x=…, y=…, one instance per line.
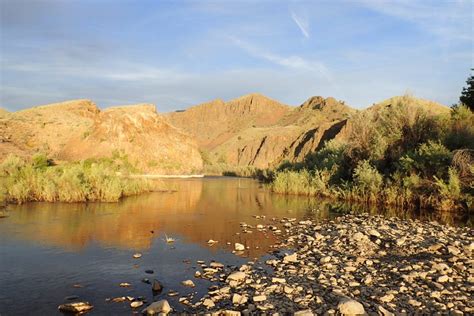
x=239, y=247
x=278, y=280
x=259, y=298
x=208, y=303
x=238, y=299
x=350, y=307
x=291, y=258
x=76, y=307
x=374, y=233
x=237, y=276
x=211, y=242
x=156, y=308
x=387, y=298
x=188, y=283
x=136, y=304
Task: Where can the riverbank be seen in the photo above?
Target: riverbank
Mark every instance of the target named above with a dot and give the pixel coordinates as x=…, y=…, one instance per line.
x=354, y=264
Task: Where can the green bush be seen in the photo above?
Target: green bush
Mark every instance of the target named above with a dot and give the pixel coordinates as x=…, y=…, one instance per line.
x=367, y=179
x=91, y=180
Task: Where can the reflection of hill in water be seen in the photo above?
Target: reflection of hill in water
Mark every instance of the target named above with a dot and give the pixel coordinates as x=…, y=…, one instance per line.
x=200, y=210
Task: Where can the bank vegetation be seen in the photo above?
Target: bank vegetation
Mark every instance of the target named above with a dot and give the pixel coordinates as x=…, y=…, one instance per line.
x=396, y=155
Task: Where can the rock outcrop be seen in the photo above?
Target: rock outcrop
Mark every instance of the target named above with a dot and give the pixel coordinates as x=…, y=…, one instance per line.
x=77, y=130
x=256, y=131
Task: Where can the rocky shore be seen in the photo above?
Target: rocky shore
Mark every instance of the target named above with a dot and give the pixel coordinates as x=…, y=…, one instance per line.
x=351, y=265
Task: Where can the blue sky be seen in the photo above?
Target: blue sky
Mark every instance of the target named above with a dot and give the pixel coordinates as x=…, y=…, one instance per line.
x=179, y=53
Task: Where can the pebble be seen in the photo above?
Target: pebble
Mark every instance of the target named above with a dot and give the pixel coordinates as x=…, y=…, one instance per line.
x=136, y=304
x=188, y=283
x=76, y=307
x=239, y=247
x=259, y=298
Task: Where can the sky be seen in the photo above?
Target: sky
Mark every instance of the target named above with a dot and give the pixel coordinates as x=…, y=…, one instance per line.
x=177, y=53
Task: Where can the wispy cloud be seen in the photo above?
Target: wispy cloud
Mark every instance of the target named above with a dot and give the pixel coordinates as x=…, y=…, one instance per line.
x=293, y=62
x=302, y=24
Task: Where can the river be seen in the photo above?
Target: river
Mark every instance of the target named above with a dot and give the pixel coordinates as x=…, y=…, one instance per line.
x=51, y=251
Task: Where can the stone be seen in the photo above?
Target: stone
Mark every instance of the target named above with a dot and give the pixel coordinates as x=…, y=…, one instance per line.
x=188, y=283
x=443, y=279
x=156, y=308
x=288, y=290
x=238, y=299
x=229, y=313
x=156, y=286
x=125, y=284
x=305, y=312
x=278, y=280
x=259, y=298
x=136, y=304
x=76, y=307
x=239, y=247
x=384, y=312
x=149, y=271
x=359, y=237
x=414, y=303
x=387, y=298
x=216, y=265
x=350, y=307
x=325, y=259
x=374, y=233
x=293, y=258
x=454, y=250
x=238, y=276
x=208, y=303
x=137, y=255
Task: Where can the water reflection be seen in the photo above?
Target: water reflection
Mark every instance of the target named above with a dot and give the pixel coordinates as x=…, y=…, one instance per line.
x=199, y=210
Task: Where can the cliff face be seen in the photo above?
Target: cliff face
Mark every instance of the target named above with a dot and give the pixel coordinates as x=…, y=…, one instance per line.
x=256, y=131
x=216, y=122
x=77, y=130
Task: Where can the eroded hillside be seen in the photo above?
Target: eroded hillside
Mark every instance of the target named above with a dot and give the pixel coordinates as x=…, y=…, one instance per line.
x=77, y=130
x=254, y=130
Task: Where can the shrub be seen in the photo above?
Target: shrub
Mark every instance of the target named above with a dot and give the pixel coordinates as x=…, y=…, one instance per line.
x=432, y=158
x=367, y=179
x=90, y=180
x=450, y=191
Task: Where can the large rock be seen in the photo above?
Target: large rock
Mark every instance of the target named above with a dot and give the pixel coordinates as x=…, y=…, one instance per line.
x=350, y=307
x=156, y=308
x=76, y=307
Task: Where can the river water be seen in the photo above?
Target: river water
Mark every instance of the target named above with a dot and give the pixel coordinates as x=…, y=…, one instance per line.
x=51, y=251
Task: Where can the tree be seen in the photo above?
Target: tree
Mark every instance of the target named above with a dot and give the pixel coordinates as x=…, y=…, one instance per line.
x=467, y=94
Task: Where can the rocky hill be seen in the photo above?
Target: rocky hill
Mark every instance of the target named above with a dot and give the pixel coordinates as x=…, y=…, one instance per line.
x=254, y=130
x=77, y=129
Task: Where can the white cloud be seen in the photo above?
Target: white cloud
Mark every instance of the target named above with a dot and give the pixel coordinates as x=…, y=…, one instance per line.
x=292, y=62
x=302, y=24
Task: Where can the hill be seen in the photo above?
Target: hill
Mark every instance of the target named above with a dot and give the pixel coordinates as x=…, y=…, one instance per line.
x=257, y=131
x=77, y=129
